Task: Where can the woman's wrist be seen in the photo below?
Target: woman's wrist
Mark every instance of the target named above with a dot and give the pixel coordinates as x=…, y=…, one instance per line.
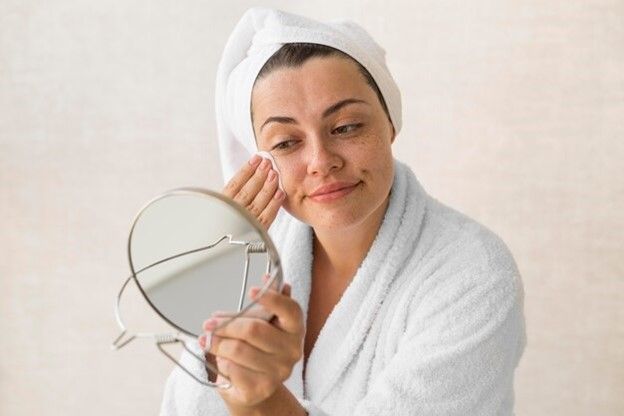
x=281, y=402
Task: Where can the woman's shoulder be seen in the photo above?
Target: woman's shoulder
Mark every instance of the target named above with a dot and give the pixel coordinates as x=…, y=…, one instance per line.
x=457, y=256
x=461, y=270
x=462, y=240
x=448, y=238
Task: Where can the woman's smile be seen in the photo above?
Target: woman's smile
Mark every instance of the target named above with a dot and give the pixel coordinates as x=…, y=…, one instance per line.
x=333, y=191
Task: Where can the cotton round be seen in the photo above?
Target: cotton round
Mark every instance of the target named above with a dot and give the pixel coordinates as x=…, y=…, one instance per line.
x=270, y=158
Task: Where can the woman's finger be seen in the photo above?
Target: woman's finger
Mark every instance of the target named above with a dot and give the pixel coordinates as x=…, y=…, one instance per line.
x=250, y=189
x=241, y=177
x=248, y=386
x=267, y=216
x=264, y=196
x=287, y=310
x=201, y=340
x=242, y=354
x=257, y=332
x=286, y=289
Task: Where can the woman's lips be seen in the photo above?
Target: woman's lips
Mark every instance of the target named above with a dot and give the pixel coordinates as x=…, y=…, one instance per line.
x=333, y=195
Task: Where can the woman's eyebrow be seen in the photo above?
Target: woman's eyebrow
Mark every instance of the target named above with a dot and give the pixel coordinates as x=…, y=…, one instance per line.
x=330, y=110
x=335, y=107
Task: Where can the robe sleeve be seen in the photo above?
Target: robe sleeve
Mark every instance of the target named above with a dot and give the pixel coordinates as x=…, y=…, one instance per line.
x=458, y=353
x=184, y=396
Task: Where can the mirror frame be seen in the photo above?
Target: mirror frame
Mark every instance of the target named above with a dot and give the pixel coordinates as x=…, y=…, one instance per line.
x=276, y=268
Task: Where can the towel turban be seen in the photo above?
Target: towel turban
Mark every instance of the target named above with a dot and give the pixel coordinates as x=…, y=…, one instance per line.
x=256, y=37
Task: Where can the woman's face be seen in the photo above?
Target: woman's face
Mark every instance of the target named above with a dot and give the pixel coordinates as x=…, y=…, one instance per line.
x=327, y=131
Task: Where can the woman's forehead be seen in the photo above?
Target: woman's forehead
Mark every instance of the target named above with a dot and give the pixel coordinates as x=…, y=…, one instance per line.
x=318, y=82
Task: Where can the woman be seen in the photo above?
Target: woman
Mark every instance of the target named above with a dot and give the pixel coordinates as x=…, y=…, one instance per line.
x=399, y=304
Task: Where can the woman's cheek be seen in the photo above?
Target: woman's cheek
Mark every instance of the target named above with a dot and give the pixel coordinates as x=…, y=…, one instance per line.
x=287, y=167
x=293, y=195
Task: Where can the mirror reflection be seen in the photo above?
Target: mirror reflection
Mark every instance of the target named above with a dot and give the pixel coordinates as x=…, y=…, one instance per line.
x=201, y=249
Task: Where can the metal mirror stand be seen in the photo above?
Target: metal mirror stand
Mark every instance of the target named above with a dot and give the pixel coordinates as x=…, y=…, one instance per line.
x=163, y=339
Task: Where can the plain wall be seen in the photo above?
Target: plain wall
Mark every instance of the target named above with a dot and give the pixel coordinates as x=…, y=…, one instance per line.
x=513, y=114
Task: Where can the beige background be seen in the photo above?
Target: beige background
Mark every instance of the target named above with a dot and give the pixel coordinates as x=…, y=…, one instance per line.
x=514, y=114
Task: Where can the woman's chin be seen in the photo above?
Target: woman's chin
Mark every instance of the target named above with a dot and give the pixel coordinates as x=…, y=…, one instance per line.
x=335, y=221
x=339, y=214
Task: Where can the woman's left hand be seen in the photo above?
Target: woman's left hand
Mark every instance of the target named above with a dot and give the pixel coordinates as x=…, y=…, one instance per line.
x=256, y=355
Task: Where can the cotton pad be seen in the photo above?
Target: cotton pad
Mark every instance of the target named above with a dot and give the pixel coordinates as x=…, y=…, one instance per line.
x=269, y=156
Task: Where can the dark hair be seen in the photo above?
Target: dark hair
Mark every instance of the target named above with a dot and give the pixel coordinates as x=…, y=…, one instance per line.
x=292, y=55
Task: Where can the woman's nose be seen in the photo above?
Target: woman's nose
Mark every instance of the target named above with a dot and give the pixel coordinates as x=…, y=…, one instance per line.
x=322, y=158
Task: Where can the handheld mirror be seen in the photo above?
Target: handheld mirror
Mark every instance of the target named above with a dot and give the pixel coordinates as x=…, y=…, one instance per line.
x=193, y=252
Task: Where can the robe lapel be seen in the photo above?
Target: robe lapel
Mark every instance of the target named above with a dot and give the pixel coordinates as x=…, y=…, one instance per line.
x=294, y=243
x=351, y=319
x=348, y=324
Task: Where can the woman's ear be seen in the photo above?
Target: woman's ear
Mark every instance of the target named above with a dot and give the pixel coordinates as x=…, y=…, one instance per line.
x=393, y=134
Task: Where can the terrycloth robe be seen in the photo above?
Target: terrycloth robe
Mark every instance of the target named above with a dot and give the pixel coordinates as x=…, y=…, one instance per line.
x=431, y=324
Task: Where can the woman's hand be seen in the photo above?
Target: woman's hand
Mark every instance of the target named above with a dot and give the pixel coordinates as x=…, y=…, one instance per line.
x=256, y=355
x=255, y=187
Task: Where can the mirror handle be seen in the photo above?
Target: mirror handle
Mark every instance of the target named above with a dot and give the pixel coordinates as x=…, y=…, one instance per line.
x=117, y=344
x=163, y=339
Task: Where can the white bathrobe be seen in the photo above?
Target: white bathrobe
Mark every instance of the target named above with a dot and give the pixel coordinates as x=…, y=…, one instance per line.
x=431, y=324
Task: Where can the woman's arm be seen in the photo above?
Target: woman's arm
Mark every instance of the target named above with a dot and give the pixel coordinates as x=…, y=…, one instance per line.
x=459, y=356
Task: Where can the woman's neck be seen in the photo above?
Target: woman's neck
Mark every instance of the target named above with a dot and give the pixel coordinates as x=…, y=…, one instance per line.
x=343, y=250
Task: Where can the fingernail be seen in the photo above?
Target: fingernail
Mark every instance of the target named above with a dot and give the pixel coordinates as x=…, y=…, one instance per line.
x=272, y=175
x=265, y=164
x=254, y=160
x=210, y=324
x=202, y=341
x=253, y=292
x=279, y=194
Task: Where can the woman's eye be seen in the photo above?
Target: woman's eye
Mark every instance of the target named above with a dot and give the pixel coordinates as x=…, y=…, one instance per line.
x=347, y=128
x=283, y=145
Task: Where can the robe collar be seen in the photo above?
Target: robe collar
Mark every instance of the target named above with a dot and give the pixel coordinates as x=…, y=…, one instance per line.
x=351, y=319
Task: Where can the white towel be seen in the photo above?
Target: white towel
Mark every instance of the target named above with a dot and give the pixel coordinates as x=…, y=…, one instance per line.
x=431, y=324
x=260, y=33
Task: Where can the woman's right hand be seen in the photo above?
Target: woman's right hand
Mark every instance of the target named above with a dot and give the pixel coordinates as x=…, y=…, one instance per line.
x=255, y=187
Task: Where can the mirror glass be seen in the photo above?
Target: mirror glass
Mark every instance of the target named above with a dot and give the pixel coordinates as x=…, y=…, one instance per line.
x=190, y=251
